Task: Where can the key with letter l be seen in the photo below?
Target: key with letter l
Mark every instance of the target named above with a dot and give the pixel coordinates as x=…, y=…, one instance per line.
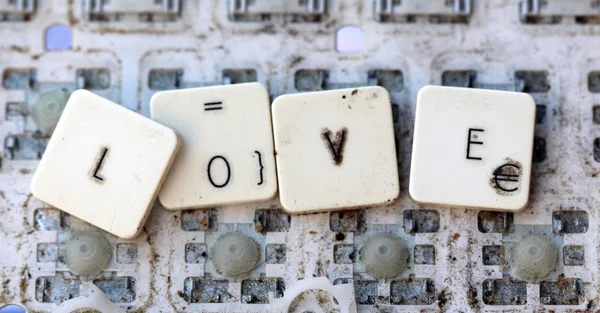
x=104, y=164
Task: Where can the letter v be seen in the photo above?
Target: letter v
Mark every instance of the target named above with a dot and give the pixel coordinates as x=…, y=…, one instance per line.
x=335, y=146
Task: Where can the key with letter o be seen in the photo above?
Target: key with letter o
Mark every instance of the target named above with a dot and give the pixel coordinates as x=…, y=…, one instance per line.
x=227, y=145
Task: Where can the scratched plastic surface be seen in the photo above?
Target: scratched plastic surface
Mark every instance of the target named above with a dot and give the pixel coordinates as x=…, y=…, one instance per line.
x=458, y=257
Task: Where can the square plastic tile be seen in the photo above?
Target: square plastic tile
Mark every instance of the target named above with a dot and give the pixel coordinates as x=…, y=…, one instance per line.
x=104, y=164
x=227, y=145
x=472, y=148
x=335, y=149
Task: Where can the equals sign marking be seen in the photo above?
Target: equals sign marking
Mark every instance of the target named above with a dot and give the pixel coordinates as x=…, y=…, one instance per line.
x=210, y=106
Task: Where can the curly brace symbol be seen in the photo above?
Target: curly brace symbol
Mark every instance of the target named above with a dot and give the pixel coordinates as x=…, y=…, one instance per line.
x=261, y=167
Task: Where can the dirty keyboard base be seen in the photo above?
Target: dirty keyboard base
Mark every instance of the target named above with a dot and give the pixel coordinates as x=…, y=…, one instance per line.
x=457, y=256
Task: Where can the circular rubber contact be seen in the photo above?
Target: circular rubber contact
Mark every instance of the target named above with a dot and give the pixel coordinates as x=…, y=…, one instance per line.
x=47, y=110
x=534, y=257
x=235, y=254
x=87, y=253
x=384, y=255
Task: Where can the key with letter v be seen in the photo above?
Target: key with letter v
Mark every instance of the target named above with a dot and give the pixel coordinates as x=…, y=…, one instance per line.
x=320, y=166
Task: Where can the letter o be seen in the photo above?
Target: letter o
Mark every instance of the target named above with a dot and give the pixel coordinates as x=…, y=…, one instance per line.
x=228, y=172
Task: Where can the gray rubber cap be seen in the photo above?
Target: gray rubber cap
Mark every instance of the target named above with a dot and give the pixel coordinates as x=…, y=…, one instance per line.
x=87, y=253
x=235, y=254
x=384, y=255
x=534, y=257
x=47, y=110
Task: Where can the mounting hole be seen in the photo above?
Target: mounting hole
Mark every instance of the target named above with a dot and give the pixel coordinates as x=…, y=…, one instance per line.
x=383, y=249
x=84, y=248
x=12, y=308
x=233, y=248
x=314, y=301
x=59, y=38
x=350, y=39
x=533, y=251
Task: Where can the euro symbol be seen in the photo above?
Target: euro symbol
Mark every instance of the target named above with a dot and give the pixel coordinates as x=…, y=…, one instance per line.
x=505, y=173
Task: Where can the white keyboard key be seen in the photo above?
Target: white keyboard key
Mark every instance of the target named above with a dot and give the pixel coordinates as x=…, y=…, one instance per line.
x=335, y=149
x=227, y=145
x=104, y=164
x=472, y=148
